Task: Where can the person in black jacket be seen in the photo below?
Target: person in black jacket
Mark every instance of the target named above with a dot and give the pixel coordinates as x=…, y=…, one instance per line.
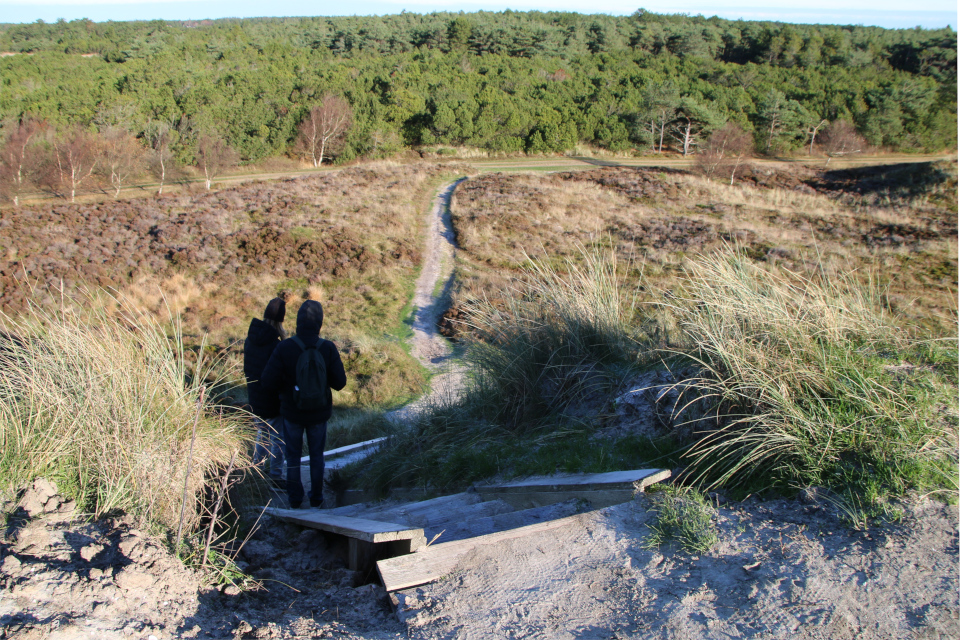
x=263, y=336
x=279, y=377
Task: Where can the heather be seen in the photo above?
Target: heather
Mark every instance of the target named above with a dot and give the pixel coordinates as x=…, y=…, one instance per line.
x=215, y=258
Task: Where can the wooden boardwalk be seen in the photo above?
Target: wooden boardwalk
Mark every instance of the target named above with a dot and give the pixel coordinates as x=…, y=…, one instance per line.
x=368, y=540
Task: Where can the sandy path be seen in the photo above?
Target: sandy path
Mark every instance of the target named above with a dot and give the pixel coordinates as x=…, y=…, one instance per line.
x=779, y=570
x=429, y=299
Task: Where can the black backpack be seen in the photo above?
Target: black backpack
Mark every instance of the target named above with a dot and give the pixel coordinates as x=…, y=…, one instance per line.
x=310, y=391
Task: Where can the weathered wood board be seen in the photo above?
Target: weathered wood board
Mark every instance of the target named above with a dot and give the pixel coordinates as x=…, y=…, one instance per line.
x=359, y=528
x=435, y=561
x=350, y=448
x=598, y=489
x=367, y=539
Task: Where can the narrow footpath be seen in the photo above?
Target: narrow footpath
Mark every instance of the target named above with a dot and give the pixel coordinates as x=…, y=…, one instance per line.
x=430, y=297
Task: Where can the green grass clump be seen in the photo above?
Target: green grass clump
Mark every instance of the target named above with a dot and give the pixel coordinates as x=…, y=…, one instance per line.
x=106, y=405
x=561, y=336
x=816, y=385
x=684, y=516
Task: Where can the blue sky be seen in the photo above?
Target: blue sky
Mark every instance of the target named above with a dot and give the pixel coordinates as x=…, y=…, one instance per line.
x=885, y=13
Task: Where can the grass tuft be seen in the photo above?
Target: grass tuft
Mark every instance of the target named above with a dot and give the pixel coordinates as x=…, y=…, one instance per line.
x=106, y=404
x=685, y=516
x=556, y=340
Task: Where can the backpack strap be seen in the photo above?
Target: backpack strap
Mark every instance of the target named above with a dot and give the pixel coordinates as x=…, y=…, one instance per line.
x=303, y=347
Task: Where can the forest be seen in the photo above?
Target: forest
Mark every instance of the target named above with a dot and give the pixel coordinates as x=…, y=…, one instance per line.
x=504, y=82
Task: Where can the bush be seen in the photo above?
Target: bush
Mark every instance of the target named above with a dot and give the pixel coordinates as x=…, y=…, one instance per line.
x=816, y=385
x=105, y=404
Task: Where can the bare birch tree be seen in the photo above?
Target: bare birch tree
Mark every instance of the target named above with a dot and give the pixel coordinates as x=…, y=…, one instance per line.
x=813, y=130
x=18, y=159
x=121, y=157
x=841, y=138
x=324, y=128
x=726, y=151
x=75, y=156
x=161, y=135
x=214, y=156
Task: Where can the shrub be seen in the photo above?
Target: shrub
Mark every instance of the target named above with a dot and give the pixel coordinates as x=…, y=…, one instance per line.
x=107, y=405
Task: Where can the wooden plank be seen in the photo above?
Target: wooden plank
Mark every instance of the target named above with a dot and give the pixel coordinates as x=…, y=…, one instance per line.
x=435, y=561
x=599, y=489
x=635, y=479
x=372, y=531
x=533, y=499
x=350, y=448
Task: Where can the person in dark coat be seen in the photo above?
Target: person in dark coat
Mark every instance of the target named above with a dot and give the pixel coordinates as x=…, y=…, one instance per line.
x=263, y=336
x=279, y=378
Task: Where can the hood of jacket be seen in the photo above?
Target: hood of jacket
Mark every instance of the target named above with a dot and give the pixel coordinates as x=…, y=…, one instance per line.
x=260, y=333
x=309, y=319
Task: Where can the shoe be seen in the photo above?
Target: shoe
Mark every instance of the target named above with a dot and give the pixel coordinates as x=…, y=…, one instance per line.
x=316, y=505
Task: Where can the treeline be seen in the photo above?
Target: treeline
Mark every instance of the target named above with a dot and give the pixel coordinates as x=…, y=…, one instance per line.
x=511, y=33
x=512, y=82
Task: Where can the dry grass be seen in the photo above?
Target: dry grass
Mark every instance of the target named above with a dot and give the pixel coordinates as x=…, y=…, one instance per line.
x=659, y=218
x=108, y=406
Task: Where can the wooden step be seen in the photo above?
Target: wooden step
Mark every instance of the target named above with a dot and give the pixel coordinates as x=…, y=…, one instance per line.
x=435, y=561
x=368, y=540
x=598, y=489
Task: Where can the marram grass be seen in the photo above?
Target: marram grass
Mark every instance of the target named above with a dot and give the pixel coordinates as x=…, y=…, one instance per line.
x=101, y=400
x=815, y=384
x=684, y=516
x=557, y=338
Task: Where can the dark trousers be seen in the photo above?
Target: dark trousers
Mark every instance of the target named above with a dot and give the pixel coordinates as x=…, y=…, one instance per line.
x=268, y=449
x=316, y=441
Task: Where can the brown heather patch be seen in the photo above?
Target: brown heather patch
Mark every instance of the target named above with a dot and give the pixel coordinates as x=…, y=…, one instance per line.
x=895, y=224
x=351, y=239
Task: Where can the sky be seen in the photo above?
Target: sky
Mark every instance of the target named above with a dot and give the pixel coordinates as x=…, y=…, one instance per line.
x=885, y=13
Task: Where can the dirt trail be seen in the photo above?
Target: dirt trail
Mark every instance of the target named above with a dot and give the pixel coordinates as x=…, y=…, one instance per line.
x=429, y=299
